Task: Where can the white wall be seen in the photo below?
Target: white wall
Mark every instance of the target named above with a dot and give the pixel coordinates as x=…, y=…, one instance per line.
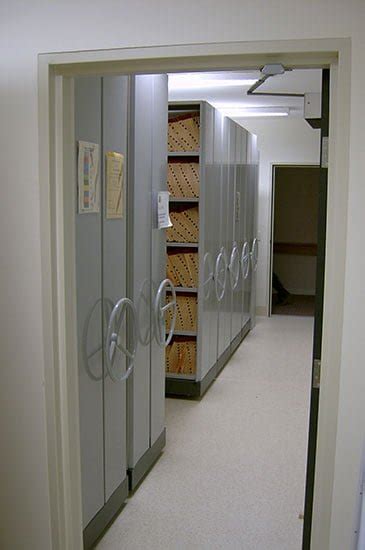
x=280, y=141
x=27, y=28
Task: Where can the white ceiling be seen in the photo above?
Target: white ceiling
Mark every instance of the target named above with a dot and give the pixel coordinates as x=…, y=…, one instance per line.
x=296, y=81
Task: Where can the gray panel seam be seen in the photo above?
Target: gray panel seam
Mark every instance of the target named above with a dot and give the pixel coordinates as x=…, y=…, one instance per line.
x=151, y=256
x=101, y=176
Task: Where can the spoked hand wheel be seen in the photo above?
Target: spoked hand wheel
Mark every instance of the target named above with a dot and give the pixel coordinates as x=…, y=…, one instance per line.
x=220, y=275
x=245, y=260
x=114, y=337
x=234, y=267
x=161, y=310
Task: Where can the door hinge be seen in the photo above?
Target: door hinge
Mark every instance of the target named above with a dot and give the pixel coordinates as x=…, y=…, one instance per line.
x=316, y=373
x=324, y=159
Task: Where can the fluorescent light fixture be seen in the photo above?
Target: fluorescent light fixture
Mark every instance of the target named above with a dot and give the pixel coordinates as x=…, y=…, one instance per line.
x=257, y=112
x=189, y=81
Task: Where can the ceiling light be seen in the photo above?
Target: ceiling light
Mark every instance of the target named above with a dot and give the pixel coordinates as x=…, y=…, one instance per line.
x=178, y=82
x=244, y=113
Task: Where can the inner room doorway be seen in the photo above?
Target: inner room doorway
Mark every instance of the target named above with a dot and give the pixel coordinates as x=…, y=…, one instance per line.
x=294, y=239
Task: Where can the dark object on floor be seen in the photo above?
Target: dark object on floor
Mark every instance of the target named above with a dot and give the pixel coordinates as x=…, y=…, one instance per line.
x=299, y=305
x=283, y=294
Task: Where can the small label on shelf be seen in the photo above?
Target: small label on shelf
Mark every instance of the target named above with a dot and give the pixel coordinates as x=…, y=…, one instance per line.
x=163, y=212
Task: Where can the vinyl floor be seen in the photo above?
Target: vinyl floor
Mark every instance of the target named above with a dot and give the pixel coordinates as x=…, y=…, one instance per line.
x=232, y=475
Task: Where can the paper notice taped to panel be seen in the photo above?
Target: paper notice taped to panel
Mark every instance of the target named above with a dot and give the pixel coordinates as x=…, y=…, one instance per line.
x=163, y=212
x=88, y=177
x=114, y=175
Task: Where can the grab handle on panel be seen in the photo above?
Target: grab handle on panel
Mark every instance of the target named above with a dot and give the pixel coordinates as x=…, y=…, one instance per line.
x=254, y=254
x=220, y=268
x=208, y=281
x=245, y=260
x=234, y=267
x=113, y=338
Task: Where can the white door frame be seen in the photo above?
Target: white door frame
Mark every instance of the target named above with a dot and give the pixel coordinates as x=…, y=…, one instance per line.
x=56, y=166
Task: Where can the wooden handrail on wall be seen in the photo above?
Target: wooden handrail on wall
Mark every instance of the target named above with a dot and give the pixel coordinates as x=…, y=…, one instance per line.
x=298, y=249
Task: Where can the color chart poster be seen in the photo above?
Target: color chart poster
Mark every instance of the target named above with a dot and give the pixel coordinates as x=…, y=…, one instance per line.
x=88, y=177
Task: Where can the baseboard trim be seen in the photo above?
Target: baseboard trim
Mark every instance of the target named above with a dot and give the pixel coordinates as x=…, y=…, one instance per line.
x=178, y=387
x=103, y=518
x=145, y=463
x=245, y=330
x=236, y=342
x=207, y=380
x=224, y=358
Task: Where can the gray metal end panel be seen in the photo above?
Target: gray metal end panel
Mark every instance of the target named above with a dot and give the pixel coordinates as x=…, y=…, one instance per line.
x=240, y=337
x=224, y=358
x=208, y=380
x=146, y=462
x=245, y=330
x=236, y=342
x=100, y=522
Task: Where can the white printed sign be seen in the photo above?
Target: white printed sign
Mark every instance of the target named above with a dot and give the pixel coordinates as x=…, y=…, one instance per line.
x=88, y=177
x=163, y=211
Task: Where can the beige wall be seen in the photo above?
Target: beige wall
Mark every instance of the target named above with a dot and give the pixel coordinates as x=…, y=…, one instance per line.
x=295, y=221
x=296, y=205
x=297, y=273
x=28, y=28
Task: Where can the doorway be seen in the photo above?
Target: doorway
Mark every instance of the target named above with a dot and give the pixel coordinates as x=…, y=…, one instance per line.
x=295, y=192
x=74, y=521
x=299, y=334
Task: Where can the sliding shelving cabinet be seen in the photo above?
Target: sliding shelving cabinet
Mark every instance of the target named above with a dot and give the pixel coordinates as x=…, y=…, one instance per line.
x=183, y=242
x=213, y=215
x=120, y=276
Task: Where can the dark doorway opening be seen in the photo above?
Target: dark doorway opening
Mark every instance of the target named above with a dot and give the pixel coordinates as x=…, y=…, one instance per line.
x=294, y=251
